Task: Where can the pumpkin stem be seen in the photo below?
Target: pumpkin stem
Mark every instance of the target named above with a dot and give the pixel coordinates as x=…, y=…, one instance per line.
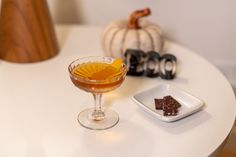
x=134, y=17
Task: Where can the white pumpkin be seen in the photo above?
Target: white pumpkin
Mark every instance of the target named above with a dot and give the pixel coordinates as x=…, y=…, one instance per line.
x=132, y=34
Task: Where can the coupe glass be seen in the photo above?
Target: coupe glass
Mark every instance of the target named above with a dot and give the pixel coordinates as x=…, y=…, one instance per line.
x=97, y=75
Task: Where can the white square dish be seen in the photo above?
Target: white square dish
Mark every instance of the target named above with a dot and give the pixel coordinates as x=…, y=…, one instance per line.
x=189, y=103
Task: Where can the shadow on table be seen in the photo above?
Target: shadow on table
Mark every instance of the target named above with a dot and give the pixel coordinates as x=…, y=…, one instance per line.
x=180, y=126
x=234, y=88
x=130, y=86
x=134, y=84
x=118, y=141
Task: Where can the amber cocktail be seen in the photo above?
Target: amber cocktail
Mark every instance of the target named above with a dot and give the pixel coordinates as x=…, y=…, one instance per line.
x=97, y=75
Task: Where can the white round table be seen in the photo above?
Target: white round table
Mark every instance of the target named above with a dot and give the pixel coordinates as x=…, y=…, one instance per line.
x=39, y=106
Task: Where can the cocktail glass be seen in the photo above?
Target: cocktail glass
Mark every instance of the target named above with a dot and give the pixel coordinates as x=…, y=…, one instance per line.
x=97, y=75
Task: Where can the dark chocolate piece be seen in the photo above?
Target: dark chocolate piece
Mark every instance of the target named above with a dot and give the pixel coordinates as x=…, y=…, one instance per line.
x=159, y=103
x=170, y=100
x=168, y=104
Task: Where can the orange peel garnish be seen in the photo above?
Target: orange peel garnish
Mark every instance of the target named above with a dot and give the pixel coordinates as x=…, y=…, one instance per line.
x=117, y=63
x=110, y=70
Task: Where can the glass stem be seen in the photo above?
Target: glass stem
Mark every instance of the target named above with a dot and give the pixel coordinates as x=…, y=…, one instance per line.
x=98, y=113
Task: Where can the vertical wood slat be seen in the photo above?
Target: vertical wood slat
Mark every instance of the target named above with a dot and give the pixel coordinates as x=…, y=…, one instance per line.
x=26, y=31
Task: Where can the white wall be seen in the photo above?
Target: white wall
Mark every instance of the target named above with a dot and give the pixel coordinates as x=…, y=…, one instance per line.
x=205, y=26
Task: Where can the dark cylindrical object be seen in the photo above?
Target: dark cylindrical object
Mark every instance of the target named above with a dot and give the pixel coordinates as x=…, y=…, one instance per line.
x=152, y=64
x=168, y=66
x=135, y=60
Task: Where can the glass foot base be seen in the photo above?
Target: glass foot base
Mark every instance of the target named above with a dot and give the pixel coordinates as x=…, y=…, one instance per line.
x=85, y=119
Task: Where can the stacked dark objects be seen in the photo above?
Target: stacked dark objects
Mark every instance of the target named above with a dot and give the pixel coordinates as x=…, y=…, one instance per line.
x=150, y=64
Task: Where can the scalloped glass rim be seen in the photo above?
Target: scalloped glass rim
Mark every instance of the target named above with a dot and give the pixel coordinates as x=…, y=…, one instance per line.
x=99, y=59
